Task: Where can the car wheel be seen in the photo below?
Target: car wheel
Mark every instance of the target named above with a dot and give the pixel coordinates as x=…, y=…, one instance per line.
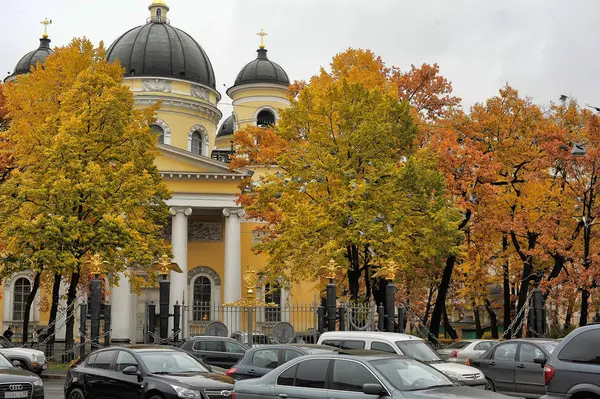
x=156, y=397
x=76, y=394
x=489, y=385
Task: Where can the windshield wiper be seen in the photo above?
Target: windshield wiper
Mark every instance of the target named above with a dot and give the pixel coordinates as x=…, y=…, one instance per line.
x=162, y=372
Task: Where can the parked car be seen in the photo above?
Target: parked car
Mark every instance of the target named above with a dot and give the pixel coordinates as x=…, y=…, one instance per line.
x=28, y=359
x=260, y=360
x=510, y=367
x=257, y=338
x=403, y=344
x=573, y=369
x=339, y=376
x=18, y=383
x=144, y=371
x=216, y=351
x=461, y=351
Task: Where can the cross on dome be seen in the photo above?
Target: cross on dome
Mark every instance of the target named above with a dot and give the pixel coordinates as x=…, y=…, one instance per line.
x=46, y=22
x=262, y=35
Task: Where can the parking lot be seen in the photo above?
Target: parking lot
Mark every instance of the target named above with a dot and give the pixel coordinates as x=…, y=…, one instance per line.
x=54, y=389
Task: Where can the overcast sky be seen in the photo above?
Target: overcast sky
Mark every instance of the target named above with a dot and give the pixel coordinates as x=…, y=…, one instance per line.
x=544, y=48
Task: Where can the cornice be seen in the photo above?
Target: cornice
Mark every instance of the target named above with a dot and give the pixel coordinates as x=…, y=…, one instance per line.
x=189, y=82
x=232, y=91
x=204, y=176
x=207, y=110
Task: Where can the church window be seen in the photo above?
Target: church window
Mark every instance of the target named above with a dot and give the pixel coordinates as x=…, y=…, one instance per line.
x=21, y=291
x=202, y=298
x=159, y=132
x=197, y=143
x=265, y=118
x=158, y=15
x=273, y=295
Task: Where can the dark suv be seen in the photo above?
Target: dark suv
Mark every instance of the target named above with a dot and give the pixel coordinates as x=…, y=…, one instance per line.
x=216, y=351
x=573, y=370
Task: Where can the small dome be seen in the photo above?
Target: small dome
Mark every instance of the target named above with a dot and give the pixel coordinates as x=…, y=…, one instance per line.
x=159, y=50
x=31, y=59
x=262, y=70
x=227, y=127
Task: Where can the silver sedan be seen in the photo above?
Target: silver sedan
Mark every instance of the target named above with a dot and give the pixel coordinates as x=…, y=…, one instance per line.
x=461, y=351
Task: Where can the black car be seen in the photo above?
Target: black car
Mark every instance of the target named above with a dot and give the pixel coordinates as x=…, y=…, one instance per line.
x=18, y=383
x=216, y=351
x=144, y=371
x=510, y=367
x=260, y=360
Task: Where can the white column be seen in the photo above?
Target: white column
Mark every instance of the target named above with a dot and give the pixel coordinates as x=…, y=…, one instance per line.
x=61, y=318
x=233, y=255
x=179, y=242
x=120, y=300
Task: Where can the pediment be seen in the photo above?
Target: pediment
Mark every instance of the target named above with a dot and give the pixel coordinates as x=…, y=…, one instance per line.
x=175, y=160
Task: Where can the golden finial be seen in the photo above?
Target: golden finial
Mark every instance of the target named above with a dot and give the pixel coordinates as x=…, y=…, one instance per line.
x=250, y=277
x=46, y=22
x=331, y=269
x=166, y=264
x=97, y=263
x=262, y=35
x=388, y=271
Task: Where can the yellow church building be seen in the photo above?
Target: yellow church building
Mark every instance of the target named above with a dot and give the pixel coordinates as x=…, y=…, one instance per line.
x=210, y=236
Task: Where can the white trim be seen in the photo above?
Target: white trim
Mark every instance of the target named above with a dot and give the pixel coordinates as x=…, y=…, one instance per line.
x=265, y=108
x=204, y=138
x=9, y=287
x=200, y=160
x=261, y=99
x=213, y=201
x=232, y=91
x=208, y=111
x=215, y=298
x=139, y=77
x=166, y=130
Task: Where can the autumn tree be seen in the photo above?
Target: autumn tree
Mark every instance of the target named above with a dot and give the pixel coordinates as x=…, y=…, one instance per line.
x=85, y=180
x=348, y=183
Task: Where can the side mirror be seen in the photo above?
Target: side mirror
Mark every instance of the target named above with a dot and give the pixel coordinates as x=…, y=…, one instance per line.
x=16, y=363
x=132, y=370
x=373, y=389
x=541, y=360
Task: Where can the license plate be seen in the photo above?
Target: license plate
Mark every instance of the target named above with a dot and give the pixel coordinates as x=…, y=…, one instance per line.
x=16, y=394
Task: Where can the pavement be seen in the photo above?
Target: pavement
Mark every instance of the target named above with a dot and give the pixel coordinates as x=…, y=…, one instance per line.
x=53, y=389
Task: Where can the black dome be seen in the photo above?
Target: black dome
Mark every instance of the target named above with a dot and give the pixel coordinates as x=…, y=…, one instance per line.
x=158, y=49
x=31, y=59
x=262, y=70
x=227, y=127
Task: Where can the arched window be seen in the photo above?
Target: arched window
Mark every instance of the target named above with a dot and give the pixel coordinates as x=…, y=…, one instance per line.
x=158, y=15
x=196, y=143
x=159, y=132
x=273, y=295
x=202, y=298
x=265, y=118
x=21, y=291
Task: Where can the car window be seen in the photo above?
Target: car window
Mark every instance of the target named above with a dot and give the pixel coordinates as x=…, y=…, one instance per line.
x=410, y=375
x=529, y=352
x=351, y=376
x=419, y=350
x=289, y=355
x=383, y=347
x=125, y=359
x=287, y=377
x=265, y=358
x=505, y=352
x=104, y=360
x=210, y=346
x=351, y=344
x=583, y=348
x=233, y=347
x=170, y=362
x=458, y=345
x=312, y=373
x=332, y=342
x=91, y=360
x=483, y=346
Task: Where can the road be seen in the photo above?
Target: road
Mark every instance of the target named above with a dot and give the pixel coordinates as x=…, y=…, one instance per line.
x=54, y=389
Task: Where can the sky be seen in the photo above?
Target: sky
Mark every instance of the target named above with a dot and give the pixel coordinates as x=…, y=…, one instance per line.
x=543, y=48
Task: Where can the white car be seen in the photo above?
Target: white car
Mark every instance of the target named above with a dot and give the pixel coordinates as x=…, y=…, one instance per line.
x=27, y=358
x=407, y=345
x=461, y=351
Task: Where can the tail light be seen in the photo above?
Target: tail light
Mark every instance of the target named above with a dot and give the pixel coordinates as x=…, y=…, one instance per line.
x=453, y=354
x=468, y=362
x=233, y=395
x=231, y=371
x=548, y=373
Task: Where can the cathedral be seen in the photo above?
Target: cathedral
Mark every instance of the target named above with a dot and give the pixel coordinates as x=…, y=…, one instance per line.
x=210, y=237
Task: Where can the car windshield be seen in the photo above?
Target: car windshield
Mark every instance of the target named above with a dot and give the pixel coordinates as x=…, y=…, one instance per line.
x=410, y=375
x=458, y=345
x=5, y=363
x=171, y=362
x=419, y=350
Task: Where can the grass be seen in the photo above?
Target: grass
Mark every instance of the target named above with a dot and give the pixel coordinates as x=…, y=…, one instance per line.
x=54, y=366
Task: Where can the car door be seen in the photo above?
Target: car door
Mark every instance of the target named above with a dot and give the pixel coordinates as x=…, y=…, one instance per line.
x=529, y=376
x=211, y=352
x=348, y=378
x=121, y=385
x=98, y=375
x=262, y=361
x=500, y=367
x=234, y=351
x=304, y=380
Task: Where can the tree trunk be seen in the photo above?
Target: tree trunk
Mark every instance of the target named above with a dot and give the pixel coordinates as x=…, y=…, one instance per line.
x=53, y=312
x=440, y=301
x=493, y=319
x=353, y=272
x=447, y=326
x=367, y=275
x=478, y=332
x=583, y=317
x=428, y=306
x=506, y=288
x=585, y=294
x=526, y=278
x=71, y=297
x=30, y=299
x=569, y=314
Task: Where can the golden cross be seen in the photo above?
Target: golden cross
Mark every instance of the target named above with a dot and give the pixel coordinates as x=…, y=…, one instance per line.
x=97, y=263
x=46, y=22
x=262, y=35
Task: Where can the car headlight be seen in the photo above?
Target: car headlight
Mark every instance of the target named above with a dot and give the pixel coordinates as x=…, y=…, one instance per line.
x=187, y=393
x=453, y=376
x=41, y=358
x=38, y=383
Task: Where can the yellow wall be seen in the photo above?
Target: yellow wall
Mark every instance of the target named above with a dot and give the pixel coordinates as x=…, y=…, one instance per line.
x=264, y=97
x=203, y=186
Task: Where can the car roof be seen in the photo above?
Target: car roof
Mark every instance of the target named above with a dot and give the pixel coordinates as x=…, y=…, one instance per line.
x=533, y=340
x=307, y=347
x=364, y=354
x=150, y=348
x=369, y=335
x=210, y=337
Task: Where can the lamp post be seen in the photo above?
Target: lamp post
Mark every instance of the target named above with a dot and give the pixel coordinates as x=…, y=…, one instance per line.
x=166, y=265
